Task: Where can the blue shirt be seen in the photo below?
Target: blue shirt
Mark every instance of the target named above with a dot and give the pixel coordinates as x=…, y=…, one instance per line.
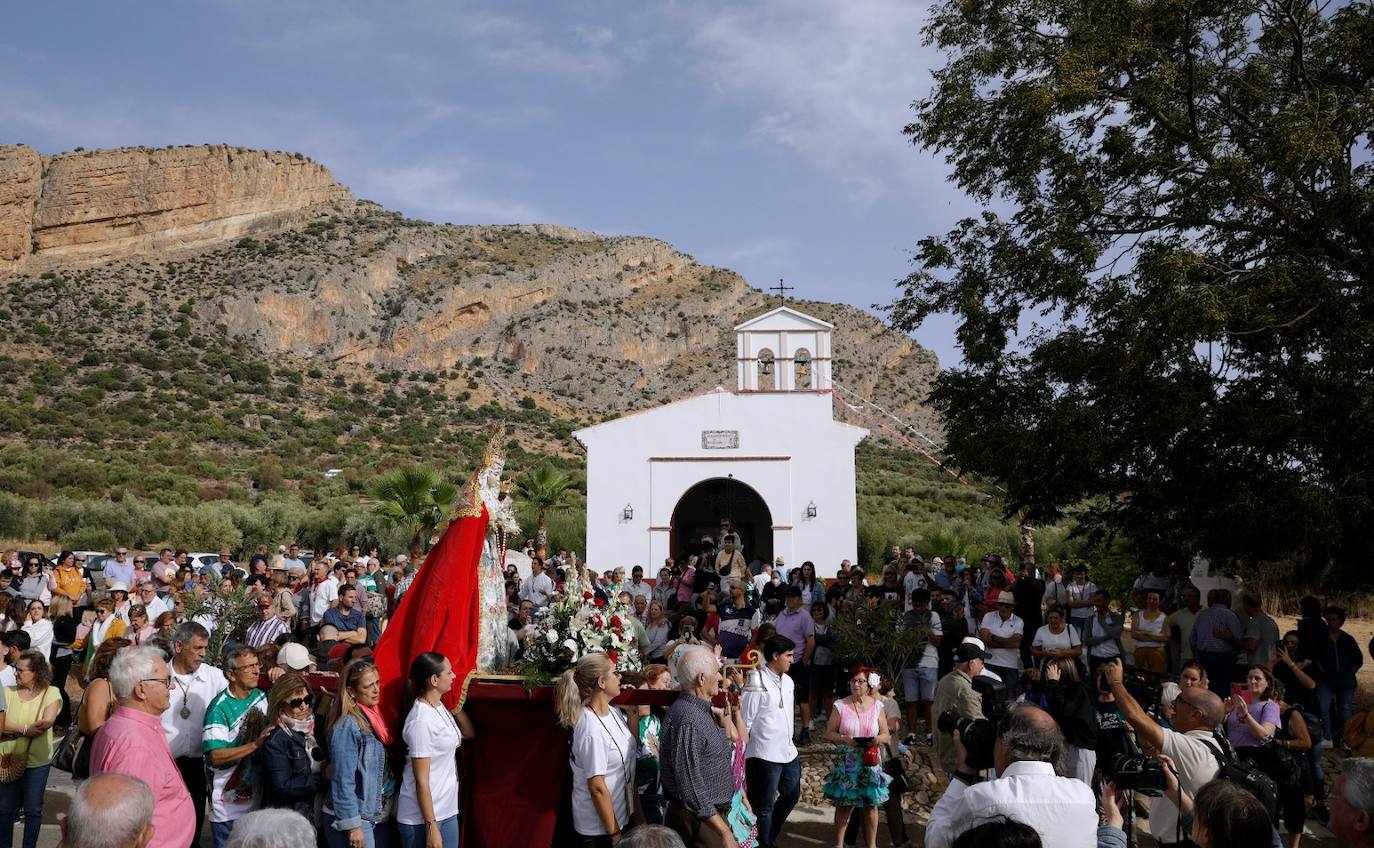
x=1208, y=622
x=122, y=573
x=343, y=622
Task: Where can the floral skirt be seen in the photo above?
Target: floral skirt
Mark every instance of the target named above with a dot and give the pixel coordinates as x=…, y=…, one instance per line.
x=853, y=784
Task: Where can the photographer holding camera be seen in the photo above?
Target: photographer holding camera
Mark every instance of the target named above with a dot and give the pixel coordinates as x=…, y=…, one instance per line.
x=955, y=693
x=1026, y=754
x=1197, y=713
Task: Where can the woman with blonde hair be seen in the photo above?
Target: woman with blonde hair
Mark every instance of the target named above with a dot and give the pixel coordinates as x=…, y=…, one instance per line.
x=603, y=751
x=283, y=601
x=362, y=788
x=62, y=614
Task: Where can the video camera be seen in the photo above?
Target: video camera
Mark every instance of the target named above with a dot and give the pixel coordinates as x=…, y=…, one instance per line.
x=978, y=735
x=1137, y=773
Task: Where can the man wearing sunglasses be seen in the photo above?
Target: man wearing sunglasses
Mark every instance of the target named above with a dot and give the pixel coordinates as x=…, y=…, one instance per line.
x=1197, y=712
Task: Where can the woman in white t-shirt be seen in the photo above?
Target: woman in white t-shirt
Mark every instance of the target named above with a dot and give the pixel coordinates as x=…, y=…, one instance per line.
x=603, y=752
x=1055, y=639
x=427, y=808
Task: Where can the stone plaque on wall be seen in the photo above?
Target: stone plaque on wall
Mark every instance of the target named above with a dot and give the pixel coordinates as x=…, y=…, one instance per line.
x=719, y=439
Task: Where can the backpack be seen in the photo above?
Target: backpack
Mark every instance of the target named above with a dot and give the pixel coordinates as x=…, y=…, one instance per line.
x=1246, y=775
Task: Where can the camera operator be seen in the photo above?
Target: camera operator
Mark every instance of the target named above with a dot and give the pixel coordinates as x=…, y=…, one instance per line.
x=955, y=692
x=1026, y=756
x=1197, y=713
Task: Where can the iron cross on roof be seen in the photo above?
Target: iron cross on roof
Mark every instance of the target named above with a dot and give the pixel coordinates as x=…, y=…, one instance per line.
x=782, y=289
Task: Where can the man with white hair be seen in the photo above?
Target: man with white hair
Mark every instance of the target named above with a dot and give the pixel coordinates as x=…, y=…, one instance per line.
x=132, y=743
x=696, y=753
x=271, y=828
x=110, y=811
x=1352, y=803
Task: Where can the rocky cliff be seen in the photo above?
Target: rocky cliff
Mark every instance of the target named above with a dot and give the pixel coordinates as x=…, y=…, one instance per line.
x=173, y=280
x=107, y=203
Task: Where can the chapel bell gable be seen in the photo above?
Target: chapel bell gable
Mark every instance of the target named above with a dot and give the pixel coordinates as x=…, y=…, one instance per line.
x=783, y=351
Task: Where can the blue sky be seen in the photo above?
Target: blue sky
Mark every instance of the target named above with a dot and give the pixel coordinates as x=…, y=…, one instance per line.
x=764, y=137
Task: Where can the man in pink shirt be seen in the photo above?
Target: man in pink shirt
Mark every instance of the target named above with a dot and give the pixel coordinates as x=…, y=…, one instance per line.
x=132, y=743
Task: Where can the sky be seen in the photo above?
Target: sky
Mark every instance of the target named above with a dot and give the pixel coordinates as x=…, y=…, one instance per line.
x=764, y=137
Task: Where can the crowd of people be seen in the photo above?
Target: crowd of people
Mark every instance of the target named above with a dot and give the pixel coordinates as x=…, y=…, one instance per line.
x=1049, y=705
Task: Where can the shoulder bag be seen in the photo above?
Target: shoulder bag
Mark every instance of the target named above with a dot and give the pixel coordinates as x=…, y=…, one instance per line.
x=16, y=762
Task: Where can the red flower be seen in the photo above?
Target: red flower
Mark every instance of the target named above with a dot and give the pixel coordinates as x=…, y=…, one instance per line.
x=586, y=596
x=613, y=656
x=600, y=602
x=597, y=622
x=616, y=622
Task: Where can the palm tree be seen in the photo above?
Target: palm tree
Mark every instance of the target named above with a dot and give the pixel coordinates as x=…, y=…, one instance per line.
x=416, y=499
x=541, y=490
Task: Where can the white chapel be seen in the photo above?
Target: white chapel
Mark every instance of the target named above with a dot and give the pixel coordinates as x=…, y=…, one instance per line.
x=769, y=456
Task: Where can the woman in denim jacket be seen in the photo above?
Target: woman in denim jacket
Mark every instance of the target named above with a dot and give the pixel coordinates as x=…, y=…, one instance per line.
x=362, y=787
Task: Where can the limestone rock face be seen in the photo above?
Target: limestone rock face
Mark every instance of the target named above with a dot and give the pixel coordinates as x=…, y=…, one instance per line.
x=21, y=173
x=111, y=203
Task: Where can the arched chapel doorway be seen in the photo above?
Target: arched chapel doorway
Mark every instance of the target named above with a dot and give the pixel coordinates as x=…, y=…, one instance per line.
x=700, y=509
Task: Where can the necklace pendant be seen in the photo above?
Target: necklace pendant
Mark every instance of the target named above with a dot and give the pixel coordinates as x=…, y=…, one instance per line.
x=185, y=711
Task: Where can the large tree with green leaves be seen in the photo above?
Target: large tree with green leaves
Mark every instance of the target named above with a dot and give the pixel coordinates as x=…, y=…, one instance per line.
x=1165, y=306
x=543, y=489
x=415, y=499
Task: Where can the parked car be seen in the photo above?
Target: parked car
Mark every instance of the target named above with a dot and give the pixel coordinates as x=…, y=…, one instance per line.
x=200, y=562
x=45, y=560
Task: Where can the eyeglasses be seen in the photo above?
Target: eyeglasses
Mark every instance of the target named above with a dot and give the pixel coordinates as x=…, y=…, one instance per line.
x=246, y=668
x=1189, y=703
x=297, y=703
x=165, y=681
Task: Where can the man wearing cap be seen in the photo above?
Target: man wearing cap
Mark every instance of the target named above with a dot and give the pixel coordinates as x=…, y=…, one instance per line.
x=955, y=692
x=120, y=570
x=1001, y=630
x=292, y=657
x=268, y=626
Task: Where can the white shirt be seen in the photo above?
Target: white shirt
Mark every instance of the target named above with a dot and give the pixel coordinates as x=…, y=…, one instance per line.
x=322, y=596
x=1196, y=766
x=1061, y=809
x=430, y=733
x=761, y=580
x=538, y=590
x=1082, y=593
x=912, y=581
x=930, y=656
x=194, y=691
x=154, y=608
x=768, y=715
x=601, y=745
x=638, y=590
x=1056, y=642
x=1107, y=649
x=995, y=626
x=40, y=635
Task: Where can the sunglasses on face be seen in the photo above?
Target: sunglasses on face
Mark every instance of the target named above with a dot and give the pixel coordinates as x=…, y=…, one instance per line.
x=297, y=703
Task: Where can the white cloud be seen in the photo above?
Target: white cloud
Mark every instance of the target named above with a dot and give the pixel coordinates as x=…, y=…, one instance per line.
x=833, y=82
x=441, y=191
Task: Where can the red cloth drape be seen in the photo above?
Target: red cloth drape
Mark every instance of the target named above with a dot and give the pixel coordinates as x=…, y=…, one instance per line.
x=439, y=612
